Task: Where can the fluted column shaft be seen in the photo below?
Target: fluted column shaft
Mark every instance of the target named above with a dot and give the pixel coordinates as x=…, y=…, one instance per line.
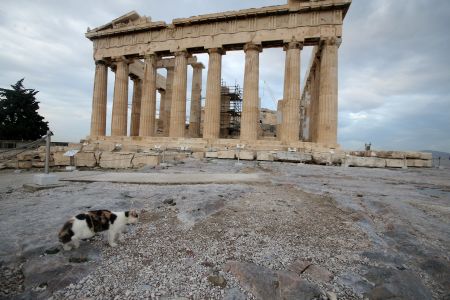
x=162, y=103
x=291, y=108
x=148, y=107
x=99, y=99
x=250, y=106
x=211, y=124
x=328, y=96
x=168, y=101
x=178, y=105
x=120, y=100
x=315, y=91
x=196, y=104
x=136, y=107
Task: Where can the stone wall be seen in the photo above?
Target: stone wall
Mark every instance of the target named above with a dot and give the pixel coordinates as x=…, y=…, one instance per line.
x=107, y=155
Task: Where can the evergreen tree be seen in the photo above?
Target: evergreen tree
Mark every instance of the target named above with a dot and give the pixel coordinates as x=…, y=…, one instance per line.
x=19, y=119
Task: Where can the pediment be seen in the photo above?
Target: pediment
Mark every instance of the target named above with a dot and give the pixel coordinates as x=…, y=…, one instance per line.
x=127, y=20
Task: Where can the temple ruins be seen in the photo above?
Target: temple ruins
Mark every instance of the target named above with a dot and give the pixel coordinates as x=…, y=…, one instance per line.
x=134, y=47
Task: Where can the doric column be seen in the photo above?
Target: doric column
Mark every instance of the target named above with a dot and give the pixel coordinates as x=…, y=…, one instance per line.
x=196, y=101
x=120, y=99
x=136, y=106
x=328, y=95
x=250, y=107
x=98, y=117
x=211, y=123
x=168, y=101
x=162, y=102
x=279, y=127
x=148, y=107
x=178, y=105
x=291, y=107
x=314, y=106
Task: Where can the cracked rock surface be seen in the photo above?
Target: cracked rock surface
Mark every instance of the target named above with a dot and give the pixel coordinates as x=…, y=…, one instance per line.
x=306, y=232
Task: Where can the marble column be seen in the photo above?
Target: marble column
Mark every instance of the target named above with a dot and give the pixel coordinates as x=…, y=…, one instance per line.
x=328, y=96
x=250, y=106
x=291, y=108
x=120, y=99
x=99, y=99
x=136, y=106
x=168, y=101
x=162, y=102
x=178, y=105
x=315, y=89
x=196, y=101
x=211, y=124
x=148, y=107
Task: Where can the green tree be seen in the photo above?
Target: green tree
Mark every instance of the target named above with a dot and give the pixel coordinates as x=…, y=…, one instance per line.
x=19, y=119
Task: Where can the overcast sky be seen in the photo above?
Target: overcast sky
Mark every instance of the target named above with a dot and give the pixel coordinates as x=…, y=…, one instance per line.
x=394, y=64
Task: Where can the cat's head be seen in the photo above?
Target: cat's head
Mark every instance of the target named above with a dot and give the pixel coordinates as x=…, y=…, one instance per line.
x=132, y=216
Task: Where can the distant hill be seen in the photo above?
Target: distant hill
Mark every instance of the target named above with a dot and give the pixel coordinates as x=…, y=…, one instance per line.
x=445, y=158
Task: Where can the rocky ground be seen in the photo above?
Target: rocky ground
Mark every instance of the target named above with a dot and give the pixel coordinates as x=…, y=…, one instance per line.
x=305, y=232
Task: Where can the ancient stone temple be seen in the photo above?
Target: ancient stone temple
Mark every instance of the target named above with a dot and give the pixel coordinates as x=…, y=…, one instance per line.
x=135, y=47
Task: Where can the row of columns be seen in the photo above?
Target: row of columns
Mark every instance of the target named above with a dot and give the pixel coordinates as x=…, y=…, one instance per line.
x=143, y=111
x=322, y=91
x=323, y=88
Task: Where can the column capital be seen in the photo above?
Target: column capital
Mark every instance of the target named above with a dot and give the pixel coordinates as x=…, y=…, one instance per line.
x=333, y=41
x=251, y=46
x=293, y=45
x=216, y=50
x=117, y=59
x=184, y=53
x=134, y=77
x=101, y=62
x=198, y=65
x=151, y=56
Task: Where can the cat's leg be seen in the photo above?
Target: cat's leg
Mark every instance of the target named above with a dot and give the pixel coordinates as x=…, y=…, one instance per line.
x=67, y=247
x=112, y=237
x=76, y=243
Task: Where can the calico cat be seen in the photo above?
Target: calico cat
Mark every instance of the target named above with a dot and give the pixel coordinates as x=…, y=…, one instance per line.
x=86, y=225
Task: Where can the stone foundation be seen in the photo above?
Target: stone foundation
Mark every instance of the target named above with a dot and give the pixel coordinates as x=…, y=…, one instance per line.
x=140, y=152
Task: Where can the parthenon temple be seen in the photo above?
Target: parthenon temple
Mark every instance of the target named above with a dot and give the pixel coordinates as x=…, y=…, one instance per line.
x=134, y=47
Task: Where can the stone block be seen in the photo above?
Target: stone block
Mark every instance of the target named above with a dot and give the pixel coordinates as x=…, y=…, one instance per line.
x=198, y=155
x=211, y=154
x=45, y=179
x=264, y=156
x=27, y=155
x=426, y=155
x=74, y=146
x=107, y=147
x=24, y=164
x=141, y=159
x=60, y=159
x=90, y=147
x=226, y=154
x=85, y=159
x=413, y=155
x=395, y=163
x=293, y=156
x=41, y=164
x=116, y=160
x=246, y=155
x=323, y=158
x=419, y=163
x=130, y=147
x=58, y=149
x=368, y=162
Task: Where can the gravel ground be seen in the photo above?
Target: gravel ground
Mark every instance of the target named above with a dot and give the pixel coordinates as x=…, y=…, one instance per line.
x=376, y=231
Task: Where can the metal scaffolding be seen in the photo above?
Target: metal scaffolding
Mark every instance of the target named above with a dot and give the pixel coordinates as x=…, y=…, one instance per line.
x=231, y=110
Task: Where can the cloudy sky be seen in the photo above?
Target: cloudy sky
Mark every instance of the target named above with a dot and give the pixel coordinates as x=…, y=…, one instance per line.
x=394, y=72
